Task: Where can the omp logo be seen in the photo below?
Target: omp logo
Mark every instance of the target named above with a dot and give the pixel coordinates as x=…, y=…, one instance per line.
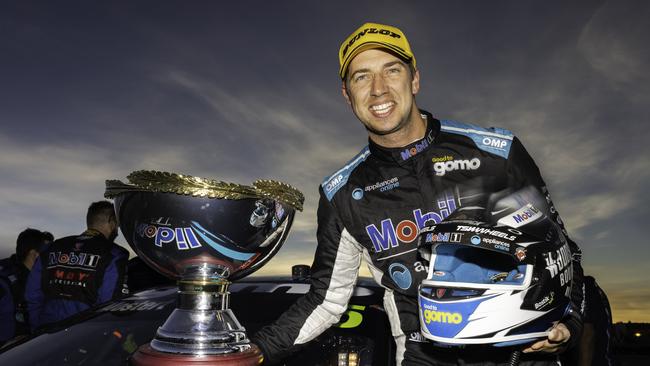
x=442, y=317
x=385, y=32
x=389, y=235
x=442, y=168
x=494, y=142
x=332, y=184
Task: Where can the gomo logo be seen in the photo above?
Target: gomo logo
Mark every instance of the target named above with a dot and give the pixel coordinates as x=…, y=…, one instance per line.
x=441, y=317
x=441, y=168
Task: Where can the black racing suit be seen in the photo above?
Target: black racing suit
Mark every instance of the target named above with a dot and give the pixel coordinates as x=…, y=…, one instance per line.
x=374, y=207
x=74, y=273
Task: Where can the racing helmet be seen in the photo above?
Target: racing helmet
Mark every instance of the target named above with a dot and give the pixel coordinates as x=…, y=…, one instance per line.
x=499, y=274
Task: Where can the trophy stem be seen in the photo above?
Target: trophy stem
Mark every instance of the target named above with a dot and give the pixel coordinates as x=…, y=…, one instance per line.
x=202, y=323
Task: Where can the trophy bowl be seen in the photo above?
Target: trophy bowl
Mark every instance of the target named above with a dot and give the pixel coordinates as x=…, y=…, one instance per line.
x=203, y=233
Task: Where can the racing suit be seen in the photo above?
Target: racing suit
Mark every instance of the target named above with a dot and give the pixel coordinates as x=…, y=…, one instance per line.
x=14, y=274
x=374, y=208
x=73, y=274
x=8, y=329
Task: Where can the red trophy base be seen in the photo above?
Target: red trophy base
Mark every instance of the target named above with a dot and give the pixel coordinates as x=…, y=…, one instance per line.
x=147, y=356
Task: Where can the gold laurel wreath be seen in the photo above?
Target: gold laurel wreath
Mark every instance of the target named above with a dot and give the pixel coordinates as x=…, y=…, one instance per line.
x=155, y=181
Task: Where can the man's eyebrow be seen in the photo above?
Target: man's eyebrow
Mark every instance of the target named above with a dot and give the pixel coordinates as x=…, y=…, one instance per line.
x=358, y=71
x=392, y=63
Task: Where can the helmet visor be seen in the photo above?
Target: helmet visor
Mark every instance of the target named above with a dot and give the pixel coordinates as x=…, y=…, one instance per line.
x=466, y=268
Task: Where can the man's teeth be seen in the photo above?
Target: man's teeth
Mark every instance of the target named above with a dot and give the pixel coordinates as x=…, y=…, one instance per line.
x=382, y=107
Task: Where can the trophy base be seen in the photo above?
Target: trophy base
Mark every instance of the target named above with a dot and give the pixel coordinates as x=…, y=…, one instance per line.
x=147, y=356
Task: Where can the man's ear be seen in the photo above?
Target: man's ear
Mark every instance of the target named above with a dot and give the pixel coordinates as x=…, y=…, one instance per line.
x=344, y=91
x=415, y=83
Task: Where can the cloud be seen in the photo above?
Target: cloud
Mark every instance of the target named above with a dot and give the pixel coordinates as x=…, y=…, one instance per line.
x=49, y=186
x=614, y=44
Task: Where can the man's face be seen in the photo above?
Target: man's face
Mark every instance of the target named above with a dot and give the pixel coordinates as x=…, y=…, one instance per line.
x=381, y=89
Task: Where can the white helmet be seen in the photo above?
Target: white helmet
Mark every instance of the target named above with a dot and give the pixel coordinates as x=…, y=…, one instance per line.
x=499, y=276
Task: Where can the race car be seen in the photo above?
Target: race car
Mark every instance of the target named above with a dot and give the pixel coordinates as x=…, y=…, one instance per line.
x=110, y=333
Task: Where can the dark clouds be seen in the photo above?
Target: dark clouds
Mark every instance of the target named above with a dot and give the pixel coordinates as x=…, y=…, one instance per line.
x=246, y=90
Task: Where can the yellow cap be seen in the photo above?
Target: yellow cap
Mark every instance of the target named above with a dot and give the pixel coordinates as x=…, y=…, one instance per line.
x=374, y=35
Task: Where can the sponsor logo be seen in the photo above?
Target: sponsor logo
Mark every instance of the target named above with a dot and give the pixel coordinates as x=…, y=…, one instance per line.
x=184, y=237
x=334, y=183
x=385, y=32
x=419, y=267
x=187, y=238
x=70, y=278
x=138, y=306
x=547, y=300
x=495, y=142
x=520, y=253
x=77, y=259
x=417, y=337
x=442, y=168
x=357, y=193
x=559, y=262
x=400, y=275
x=476, y=240
x=417, y=148
x=384, y=186
x=482, y=230
x=443, y=238
x=441, y=159
x=498, y=244
x=441, y=317
x=522, y=216
x=388, y=235
x=528, y=212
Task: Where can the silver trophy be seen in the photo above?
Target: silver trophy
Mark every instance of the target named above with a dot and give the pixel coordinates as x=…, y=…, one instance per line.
x=203, y=233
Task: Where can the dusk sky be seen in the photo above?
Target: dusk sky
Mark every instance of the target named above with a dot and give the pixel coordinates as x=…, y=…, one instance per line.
x=243, y=90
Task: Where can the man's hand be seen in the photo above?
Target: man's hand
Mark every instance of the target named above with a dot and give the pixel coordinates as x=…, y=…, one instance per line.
x=557, y=337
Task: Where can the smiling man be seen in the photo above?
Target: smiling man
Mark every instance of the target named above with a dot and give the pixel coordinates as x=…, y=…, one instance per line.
x=414, y=172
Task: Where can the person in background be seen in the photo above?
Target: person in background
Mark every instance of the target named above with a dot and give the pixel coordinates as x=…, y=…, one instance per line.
x=77, y=272
x=13, y=278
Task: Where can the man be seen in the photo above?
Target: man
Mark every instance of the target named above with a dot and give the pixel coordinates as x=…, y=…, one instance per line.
x=13, y=275
x=77, y=272
x=410, y=175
